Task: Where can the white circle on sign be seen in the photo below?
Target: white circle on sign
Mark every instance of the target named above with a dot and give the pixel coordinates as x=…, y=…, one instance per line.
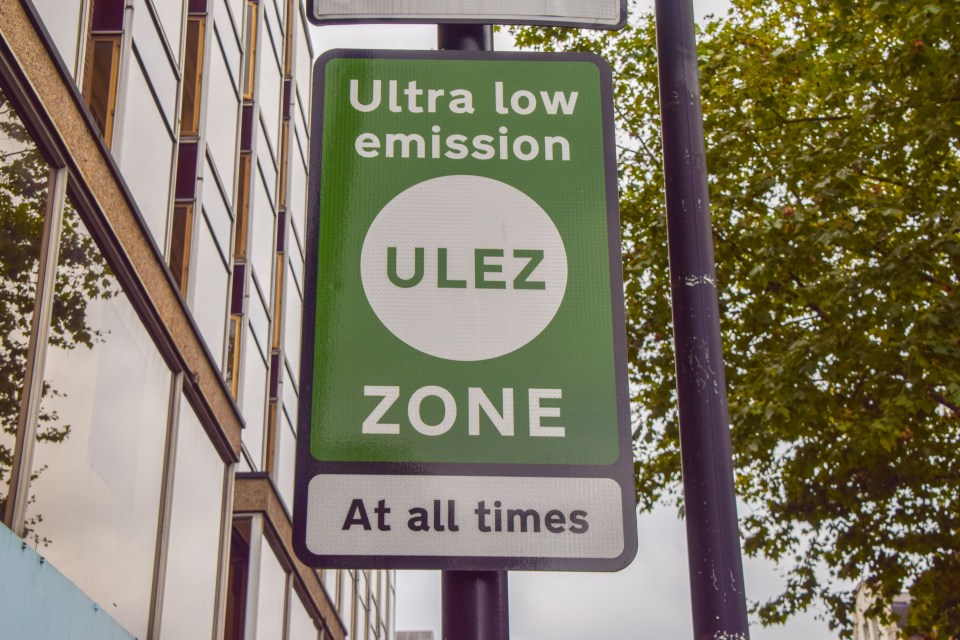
x=464, y=268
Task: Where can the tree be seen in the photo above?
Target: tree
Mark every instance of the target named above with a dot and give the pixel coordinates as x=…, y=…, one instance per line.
x=833, y=138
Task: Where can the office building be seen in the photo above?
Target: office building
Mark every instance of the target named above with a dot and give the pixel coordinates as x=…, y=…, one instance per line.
x=153, y=181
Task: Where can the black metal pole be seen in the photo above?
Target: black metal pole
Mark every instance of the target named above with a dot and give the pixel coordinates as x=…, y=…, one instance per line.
x=475, y=603
x=465, y=37
x=713, y=538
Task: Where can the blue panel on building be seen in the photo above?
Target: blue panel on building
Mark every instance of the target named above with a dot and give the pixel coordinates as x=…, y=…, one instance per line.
x=38, y=603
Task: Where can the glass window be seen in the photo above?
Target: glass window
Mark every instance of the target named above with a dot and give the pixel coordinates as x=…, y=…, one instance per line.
x=253, y=403
x=147, y=174
x=181, y=233
x=211, y=280
x=276, y=12
x=193, y=551
x=301, y=624
x=296, y=263
x=272, y=592
x=271, y=89
x=232, y=366
x=217, y=210
x=363, y=601
x=237, y=580
x=192, y=77
x=221, y=129
x=259, y=321
x=170, y=13
x=243, y=207
x=251, y=23
x=236, y=10
x=267, y=166
x=159, y=69
x=297, y=200
x=23, y=195
x=291, y=337
x=95, y=496
x=290, y=399
x=304, y=68
x=285, y=460
x=262, y=223
x=62, y=20
x=278, y=296
x=100, y=81
x=284, y=163
x=347, y=597
x=228, y=38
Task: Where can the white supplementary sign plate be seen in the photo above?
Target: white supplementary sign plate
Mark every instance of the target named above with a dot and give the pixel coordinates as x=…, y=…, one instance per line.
x=600, y=14
x=368, y=515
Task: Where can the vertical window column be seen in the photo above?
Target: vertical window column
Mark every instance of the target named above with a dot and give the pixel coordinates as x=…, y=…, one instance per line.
x=281, y=438
x=190, y=108
x=236, y=358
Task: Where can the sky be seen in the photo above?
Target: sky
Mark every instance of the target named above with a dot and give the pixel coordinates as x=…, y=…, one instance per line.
x=649, y=599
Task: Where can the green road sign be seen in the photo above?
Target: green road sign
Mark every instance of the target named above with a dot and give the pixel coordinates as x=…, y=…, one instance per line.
x=463, y=383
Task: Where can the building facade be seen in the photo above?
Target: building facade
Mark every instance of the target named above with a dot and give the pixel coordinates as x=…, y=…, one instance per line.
x=153, y=182
x=867, y=626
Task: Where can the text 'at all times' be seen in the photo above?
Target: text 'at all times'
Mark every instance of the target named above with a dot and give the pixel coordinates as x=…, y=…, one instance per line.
x=489, y=518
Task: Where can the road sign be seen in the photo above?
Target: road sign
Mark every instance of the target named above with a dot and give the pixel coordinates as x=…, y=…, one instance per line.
x=463, y=384
x=598, y=14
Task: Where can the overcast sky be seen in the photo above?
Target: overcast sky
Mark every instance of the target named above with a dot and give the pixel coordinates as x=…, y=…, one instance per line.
x=651, y=598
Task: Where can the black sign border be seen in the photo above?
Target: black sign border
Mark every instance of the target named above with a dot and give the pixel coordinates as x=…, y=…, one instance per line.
x=621, y=471
x=412, y=20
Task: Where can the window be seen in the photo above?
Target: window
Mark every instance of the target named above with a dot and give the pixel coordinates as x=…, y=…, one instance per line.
x=192, y=77
x=253, y=402
x=62, y=19
x=180, y=244
x=222, y=103
x=100, y=85
x=209, y=287
x=302, y=626
x=170, y=14
x=278, y=298
x=282, y=183
x=272, y=595
x=250, y=50
x=94, y=499
x=103, y=63
x=287, y=443
x=232, y=373
x=348, y=597
x=23, y=197
x=238, y=580
x=148, y=174
x=190, y=583
x=243, y=207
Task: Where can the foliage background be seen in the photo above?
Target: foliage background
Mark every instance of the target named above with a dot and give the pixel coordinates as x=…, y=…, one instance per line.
x=833, y=141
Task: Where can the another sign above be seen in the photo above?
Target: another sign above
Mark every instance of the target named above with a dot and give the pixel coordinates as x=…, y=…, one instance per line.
x=596, y=14
x=463, y=389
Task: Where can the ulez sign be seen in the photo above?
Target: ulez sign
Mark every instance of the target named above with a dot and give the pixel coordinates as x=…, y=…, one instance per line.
x=464, y=398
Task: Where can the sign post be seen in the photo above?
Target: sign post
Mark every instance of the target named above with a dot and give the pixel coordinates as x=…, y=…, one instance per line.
x=475, y=604
x=464, y=400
